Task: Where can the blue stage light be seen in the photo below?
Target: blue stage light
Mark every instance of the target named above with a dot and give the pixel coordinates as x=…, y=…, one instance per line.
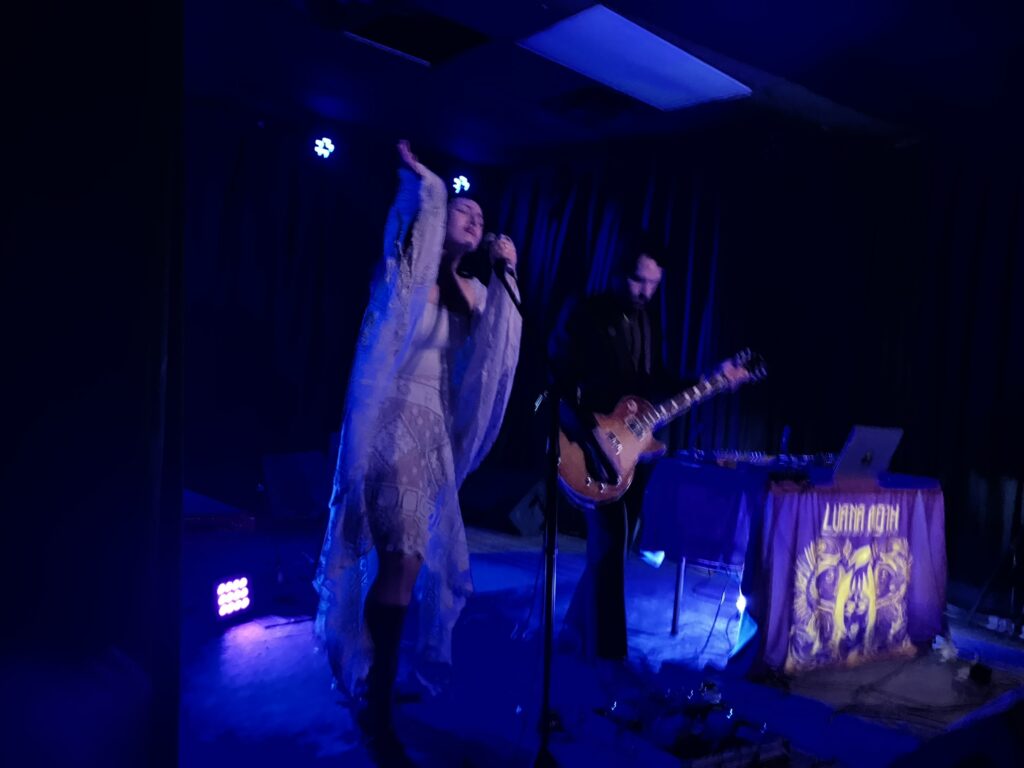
x=324, y=147
x=460, y=184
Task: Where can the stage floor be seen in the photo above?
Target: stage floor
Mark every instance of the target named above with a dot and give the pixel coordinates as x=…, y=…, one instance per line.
x=258, y=693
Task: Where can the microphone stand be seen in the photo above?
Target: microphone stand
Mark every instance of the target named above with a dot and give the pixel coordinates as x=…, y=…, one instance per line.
x=548, y=719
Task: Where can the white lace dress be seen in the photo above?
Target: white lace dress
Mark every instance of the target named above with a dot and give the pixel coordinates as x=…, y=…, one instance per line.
x=425, y=402
x=411, y=473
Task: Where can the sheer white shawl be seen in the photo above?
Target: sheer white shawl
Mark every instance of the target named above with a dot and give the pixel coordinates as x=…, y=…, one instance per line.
x=480, y=370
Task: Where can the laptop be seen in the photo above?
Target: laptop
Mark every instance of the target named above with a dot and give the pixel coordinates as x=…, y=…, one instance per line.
x=867, y=452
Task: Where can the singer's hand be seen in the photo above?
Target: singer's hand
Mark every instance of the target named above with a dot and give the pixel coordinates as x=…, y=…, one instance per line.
x=503, y=249
x=410, y=160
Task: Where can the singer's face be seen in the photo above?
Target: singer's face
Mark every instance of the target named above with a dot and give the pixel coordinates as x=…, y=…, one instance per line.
x=465, y=225
x=643, y=281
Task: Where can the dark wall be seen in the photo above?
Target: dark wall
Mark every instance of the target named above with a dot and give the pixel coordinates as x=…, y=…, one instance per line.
x=91, y=308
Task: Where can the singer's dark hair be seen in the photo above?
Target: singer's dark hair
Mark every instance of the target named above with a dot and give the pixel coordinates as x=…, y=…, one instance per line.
x=477, y=263
x=634, y=243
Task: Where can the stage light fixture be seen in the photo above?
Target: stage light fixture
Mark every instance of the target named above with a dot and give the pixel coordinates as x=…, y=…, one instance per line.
x=324, y=147
x=233, y=596
x=460, y=184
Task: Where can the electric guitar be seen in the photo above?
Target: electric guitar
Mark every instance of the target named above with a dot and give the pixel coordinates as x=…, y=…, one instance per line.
x=626, y=435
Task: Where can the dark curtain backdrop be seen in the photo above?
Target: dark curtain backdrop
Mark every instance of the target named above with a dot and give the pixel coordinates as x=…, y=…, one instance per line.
x=880, y=281
x=280, y=249
x=968, y=371
x=795, y=244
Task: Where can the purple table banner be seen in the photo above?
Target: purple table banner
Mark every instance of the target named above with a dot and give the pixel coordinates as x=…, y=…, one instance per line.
x=850, y=572
x=834, y=573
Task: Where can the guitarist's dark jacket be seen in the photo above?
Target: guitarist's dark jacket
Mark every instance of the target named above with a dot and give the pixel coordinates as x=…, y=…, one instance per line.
x=602, y=351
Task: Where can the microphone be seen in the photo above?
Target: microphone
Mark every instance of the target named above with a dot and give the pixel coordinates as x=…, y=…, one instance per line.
x=500, y=266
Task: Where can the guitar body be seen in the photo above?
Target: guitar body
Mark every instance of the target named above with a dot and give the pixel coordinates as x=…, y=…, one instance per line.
x=625, y=438
x=626, y=435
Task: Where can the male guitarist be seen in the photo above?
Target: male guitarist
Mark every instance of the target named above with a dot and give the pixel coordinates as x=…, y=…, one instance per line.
x=604, y=348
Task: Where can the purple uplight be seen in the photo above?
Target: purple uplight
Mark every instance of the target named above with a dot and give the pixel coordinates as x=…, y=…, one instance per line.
x=233, y=596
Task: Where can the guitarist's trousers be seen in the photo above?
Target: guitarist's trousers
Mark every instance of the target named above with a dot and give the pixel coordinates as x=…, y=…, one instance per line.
x=597, y=612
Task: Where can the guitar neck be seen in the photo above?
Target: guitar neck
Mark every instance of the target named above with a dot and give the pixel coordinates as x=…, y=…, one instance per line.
x=677, y=405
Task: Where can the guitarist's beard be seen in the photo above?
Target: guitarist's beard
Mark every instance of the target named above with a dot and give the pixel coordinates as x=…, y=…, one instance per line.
x=634, y=306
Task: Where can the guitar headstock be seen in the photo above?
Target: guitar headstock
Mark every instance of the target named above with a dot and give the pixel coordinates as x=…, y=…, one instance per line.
x=752, y=362
x=744, y=366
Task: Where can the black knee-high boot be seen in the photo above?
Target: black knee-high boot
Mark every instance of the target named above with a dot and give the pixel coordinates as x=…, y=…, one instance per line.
x=384, y=623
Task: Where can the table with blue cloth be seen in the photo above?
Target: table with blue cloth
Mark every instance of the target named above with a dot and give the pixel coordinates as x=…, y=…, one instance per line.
x=835, y=571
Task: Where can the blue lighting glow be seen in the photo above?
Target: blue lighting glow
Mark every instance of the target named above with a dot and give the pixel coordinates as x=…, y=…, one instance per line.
x=460, y=184
x=604, y=46
x=741, y=603
x=324, y=147
x=747, y=630
x=653, y=559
